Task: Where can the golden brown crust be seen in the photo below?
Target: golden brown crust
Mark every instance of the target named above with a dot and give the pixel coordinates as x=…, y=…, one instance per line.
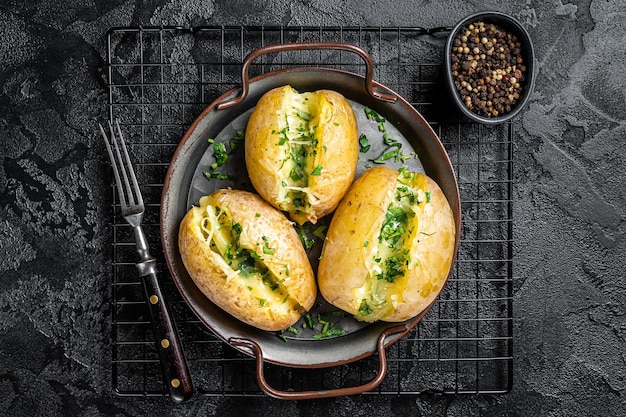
x=351, y=244
x=261, y=227
x=335, y=153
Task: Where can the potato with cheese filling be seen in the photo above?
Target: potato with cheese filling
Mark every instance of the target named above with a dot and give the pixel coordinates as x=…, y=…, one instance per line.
x=301, y=151
x=247, y=258
x=389, y=247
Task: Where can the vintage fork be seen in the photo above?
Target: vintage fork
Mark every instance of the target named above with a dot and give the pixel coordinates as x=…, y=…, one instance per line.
x=175, y=371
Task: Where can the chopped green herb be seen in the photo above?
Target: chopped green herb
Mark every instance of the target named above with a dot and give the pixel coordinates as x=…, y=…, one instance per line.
x=330, y=332
x=364, y=143
x=389, y=140
x=215, y=175
x=283, y=136
x=220, y=154
x=320, y=231
x=394, y=268
x=391, y=152
x=364, y=308
x=372, y=115
x=304, y=238
x=303, y=115
x=266, y=247
x=308, y=321
x=317, y=171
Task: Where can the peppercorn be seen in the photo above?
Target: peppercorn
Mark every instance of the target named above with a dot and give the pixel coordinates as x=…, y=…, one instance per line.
x=488, y=68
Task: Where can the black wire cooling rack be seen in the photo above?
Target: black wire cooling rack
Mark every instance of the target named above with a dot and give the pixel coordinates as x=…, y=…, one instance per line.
x=160, y=79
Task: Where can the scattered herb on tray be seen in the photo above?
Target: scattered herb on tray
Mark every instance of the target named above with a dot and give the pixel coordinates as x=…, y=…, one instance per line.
x=320, y=324
x=364, y=143
x=221, y=152
x=393, y=150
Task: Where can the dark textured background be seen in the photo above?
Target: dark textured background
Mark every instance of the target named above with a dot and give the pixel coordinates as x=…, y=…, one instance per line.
x=569, y=287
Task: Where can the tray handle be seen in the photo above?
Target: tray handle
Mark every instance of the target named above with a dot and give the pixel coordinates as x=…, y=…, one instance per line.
x=306, y=395
x=284, y=47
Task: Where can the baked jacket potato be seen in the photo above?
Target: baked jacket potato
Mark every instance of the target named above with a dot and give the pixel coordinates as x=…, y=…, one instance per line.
x=247, y=258
x=389, y=247
x=301, y=151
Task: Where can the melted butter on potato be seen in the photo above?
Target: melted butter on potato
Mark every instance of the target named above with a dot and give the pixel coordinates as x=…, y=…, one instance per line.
x=389, y=246
x=246, y=257
x=389, y=260
x=302, y=150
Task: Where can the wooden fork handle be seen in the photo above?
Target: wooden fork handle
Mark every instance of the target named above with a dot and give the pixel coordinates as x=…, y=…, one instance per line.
x=175, y=372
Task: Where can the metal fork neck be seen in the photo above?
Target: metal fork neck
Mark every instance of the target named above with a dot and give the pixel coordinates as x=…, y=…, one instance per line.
x=147, y=263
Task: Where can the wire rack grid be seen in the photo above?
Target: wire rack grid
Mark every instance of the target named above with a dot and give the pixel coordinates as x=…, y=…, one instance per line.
x=160, y=79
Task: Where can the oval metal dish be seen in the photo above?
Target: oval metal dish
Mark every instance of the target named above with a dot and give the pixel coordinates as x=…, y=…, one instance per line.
x=185, y=183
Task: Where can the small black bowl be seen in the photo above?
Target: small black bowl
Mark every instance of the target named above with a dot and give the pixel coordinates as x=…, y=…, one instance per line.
x=509, y=25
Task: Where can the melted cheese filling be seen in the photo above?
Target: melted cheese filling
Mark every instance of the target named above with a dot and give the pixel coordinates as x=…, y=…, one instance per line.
x=388, y=258
x=299, y=150
x=244, y=259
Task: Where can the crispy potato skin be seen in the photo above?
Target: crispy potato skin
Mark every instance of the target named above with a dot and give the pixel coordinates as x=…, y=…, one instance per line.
x=346, y=258
x=260, y=223
x=336, y=152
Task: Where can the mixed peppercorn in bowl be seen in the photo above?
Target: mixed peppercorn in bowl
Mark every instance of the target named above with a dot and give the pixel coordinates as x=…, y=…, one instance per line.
x=489, y=67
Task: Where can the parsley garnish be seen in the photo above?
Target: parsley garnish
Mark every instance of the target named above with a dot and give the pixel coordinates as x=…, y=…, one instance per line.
x=221, y=153
x=364, y=308
x=266, y=247
x=320, y=231
x=372, y=115
x=303, y=115
x=317, y=171
x=364, y=143
x=304, y=238
x=215, y=175
x=392, y=150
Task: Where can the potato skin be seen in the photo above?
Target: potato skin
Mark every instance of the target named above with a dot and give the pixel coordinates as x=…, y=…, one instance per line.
x=336, y=152
x=348, y=248
x=260, y=223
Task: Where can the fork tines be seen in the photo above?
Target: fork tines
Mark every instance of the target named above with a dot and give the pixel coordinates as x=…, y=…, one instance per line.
x=132, y=197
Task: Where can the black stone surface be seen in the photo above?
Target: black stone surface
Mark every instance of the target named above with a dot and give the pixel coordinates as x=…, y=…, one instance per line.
x=569, y=286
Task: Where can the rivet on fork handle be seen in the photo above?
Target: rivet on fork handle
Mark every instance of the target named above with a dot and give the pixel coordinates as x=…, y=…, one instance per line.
x=167, y=342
